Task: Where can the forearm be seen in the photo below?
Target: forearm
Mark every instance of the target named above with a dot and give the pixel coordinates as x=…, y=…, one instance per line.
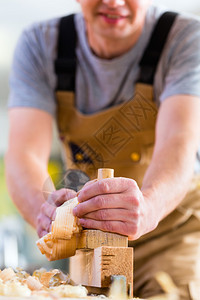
x=118, y=205
x=26, y=176
x=168, y=176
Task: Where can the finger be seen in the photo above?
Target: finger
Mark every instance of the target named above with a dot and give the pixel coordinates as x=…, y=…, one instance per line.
x=108, y=226
x=61, y=196
x=106, y=186
x=123, y=215
x=48, y=210
x=41, y=233
x=89, y=182
x=40, y=230
x=122, y=201
x=44, y=222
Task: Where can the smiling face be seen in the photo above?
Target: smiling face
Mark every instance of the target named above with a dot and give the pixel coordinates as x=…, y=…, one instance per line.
x=114, y=19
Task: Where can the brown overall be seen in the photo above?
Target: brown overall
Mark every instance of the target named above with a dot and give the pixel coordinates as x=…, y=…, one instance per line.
x=122, y=138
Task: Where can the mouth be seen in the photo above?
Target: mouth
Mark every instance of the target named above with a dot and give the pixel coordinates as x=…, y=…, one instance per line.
x=112, y=18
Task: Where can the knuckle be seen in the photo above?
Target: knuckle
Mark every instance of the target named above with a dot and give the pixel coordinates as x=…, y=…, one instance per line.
x=133, y=183
x=137, y=201
x=99, y=202
x=135, y=214
x=103, y=186
x=134, y=200
x=132, y=214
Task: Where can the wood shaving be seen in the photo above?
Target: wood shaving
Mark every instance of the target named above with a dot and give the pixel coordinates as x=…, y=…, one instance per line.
x=61, y=241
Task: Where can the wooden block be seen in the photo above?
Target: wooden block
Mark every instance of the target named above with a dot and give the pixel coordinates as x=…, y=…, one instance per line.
x=105, y=173
x=95, y=267
x=91, y=239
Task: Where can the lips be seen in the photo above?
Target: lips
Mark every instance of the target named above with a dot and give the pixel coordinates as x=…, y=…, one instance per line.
x=112, y=18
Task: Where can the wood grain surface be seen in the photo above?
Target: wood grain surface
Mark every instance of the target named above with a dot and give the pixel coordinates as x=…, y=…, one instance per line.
x=41, y=298
x=91, y=239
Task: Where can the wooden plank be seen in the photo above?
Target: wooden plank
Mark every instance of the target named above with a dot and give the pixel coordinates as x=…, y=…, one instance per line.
x=91, y=239
x=40, y=297
x=95, y=267
x=50, y=297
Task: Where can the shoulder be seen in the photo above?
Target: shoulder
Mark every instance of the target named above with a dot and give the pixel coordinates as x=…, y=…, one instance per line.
x=40, y=37
x=43, y=35
x=185, y=27
x=184, y=38
x=183, y=22
x=46, y=29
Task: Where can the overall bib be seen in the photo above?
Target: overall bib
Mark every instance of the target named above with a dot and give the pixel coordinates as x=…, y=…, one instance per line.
x=122, y=137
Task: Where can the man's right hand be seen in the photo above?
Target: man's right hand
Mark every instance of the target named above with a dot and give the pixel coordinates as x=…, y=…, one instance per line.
x=47, y=212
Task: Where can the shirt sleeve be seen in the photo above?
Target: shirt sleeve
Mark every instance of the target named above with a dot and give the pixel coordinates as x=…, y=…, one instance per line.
x=181, y=65
x=29, y=82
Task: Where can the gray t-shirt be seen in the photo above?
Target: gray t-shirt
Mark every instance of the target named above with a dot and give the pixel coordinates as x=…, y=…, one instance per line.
x=101, y=83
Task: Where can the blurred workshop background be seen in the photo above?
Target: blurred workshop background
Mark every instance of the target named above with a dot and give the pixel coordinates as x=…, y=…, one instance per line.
x=17, y=239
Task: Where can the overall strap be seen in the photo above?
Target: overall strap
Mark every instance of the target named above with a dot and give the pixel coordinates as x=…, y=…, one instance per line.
x=153, y=51
x=65, y=64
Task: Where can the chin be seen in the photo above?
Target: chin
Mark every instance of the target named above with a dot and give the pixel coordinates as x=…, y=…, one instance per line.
x=117, y=35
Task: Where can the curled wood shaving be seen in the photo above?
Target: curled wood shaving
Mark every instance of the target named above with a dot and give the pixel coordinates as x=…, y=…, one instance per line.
x=7, y=274
x=46, y=277
x=65, y=222
x=33, y=283
x=54, y=278
x=61, y=241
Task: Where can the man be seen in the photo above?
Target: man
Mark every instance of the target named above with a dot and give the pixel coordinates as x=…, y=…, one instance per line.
x=111, y=122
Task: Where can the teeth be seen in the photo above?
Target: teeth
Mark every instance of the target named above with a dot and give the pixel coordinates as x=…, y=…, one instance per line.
x=112, y=16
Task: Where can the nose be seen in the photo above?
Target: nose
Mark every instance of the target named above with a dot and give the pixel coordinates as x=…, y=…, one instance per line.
x=114, y=3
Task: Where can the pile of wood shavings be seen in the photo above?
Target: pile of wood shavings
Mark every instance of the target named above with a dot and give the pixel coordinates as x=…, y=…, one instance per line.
x=53, y=284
